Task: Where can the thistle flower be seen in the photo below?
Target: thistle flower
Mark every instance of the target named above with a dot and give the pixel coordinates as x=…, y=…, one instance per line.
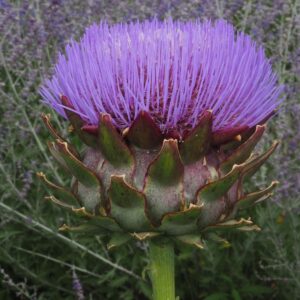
x=171, y=113
x=172, y=70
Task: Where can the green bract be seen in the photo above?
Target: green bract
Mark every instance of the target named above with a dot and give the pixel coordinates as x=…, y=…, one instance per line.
x=138, y=184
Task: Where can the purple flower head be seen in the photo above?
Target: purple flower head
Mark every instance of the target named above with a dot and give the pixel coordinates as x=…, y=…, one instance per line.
x=173, y=70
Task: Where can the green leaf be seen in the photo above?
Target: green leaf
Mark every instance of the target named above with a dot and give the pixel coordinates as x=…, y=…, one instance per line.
x=197, y=142
x=127, y=206
x=112, y=145
x=144, y=133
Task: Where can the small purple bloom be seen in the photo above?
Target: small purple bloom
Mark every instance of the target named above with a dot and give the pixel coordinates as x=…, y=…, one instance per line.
x=173, y=70
x=77, y=287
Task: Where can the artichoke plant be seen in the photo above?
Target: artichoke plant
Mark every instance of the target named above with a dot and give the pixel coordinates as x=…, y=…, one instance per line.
x=169, y=114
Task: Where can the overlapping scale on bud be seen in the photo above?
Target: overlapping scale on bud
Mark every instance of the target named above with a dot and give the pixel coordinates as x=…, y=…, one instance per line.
x=170, y=114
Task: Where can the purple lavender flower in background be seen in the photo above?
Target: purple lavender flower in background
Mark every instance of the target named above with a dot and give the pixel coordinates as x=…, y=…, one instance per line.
x=77, y=287
x=173, y=70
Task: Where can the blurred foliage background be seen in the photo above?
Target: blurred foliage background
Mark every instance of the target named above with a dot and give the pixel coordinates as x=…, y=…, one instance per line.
x=37, y=262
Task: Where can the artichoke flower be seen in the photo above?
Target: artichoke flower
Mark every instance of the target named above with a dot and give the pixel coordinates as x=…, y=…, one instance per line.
x=169, y=113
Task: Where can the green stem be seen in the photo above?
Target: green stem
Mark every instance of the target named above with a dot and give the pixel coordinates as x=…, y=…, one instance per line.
x=162, y=270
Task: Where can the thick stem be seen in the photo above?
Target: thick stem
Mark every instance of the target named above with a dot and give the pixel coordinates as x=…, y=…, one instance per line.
x=162, y=270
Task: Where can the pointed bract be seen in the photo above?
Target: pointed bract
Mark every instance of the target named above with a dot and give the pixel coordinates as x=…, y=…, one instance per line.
x=191, y=239
x=47, y=122
x=59, y=203
x=111, y=143
x=197, y=142
x=90, y=197
x=223, y=136
x=106, y=222
x=182, y=222
x=56, y=155
x=243, y=152
x=85, y=228
x=77, y=123
x=127, y=206
x=89, y=192
x=217, y=189
x=167, y=168
x=255, y=162
x=144, y=133
x=231, y=224
x=58, y=191
x=82, y=212
x=92, y=129
x=76, y=167
x=164, y=178
x=252, y=198
x=55, y=134
x=216, y=238
x=249, y=228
